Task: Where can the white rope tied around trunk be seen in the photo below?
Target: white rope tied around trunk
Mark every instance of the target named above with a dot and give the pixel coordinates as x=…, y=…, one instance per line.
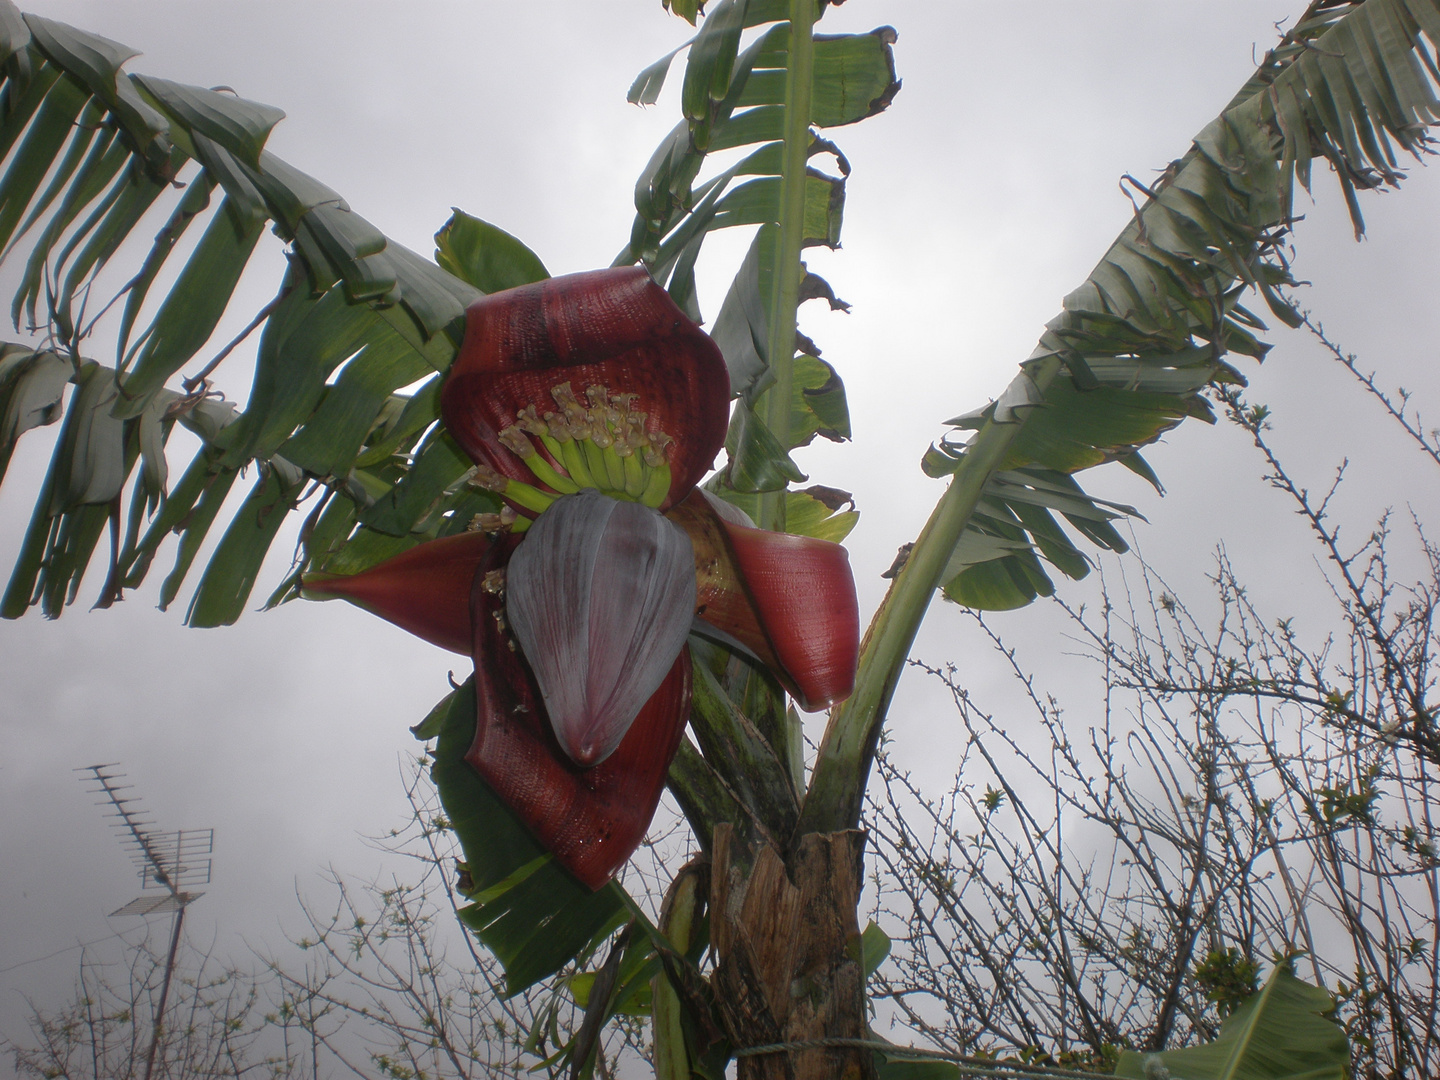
x=968, y=1066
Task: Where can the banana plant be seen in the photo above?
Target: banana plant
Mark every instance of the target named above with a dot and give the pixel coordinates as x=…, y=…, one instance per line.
x=417, y=502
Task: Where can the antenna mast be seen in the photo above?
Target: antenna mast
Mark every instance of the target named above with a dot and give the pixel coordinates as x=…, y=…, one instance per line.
x=166, y=860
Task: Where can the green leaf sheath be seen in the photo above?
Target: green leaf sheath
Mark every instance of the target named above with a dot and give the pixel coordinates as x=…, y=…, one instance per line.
x=748, y=763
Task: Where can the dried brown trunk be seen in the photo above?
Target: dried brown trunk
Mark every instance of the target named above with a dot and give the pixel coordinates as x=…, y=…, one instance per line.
x=787, y=948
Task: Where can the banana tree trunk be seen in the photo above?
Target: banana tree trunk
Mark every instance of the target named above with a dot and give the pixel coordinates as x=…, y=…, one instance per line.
x=787, y=954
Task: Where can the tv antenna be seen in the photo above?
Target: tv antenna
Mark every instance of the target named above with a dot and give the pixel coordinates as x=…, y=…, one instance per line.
x=165, y=861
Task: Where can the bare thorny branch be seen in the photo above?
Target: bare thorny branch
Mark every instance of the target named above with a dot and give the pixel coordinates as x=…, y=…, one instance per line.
x=1397, y=405
x=1392, y=626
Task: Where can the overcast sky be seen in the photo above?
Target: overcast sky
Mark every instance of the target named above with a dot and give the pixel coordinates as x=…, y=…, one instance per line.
x=985, y=194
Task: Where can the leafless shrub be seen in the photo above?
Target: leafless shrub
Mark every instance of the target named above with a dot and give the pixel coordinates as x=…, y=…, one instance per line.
x=389, y=983
x=383, y=981
x=214, y=1024
x=1241, y=796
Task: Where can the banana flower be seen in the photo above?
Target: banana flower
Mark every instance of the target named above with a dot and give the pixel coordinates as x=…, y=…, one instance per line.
x=593, y=407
